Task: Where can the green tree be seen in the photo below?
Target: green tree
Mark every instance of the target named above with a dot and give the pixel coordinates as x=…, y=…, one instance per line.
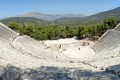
x=110, y=21
x=83, y=32
x=13, y=26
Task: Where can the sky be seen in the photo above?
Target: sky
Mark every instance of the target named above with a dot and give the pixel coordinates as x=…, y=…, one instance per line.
x=10, y=8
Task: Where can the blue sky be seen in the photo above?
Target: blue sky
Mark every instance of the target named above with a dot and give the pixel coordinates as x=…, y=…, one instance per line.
x=86, y=7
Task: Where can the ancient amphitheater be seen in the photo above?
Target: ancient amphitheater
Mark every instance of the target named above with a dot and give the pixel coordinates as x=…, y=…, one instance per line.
x=24, y=58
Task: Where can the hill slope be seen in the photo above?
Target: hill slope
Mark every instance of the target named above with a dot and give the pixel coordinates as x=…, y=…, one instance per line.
x=96, y=18
x=23, y=20
x=49, y=17
x=64, y=19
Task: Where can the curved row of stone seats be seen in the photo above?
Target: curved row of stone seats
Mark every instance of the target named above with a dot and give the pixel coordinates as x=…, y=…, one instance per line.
x=117, y=27
x=105, y=35
x=29, y=45
x=99, y=44
x=110, y=42
x=105, y=44
x=6, y=33
x=100, y=41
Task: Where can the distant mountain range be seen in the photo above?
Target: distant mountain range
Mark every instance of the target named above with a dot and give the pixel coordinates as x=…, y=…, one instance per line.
x=49, y=17
x=96, y=18
x=23, y=20
x=61, y=19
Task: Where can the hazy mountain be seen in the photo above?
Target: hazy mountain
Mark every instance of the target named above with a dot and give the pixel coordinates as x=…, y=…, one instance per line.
x=23, y=20
x=49, y=16
x=96, y=18
x=61, y=19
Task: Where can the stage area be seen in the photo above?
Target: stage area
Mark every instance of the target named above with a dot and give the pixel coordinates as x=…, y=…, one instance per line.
x=79, y=52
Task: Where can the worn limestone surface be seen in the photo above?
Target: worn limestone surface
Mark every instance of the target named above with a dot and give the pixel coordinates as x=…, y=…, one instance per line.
x=23, y=58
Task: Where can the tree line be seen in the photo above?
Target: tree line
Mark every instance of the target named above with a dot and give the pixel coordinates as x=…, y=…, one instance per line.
x=53, y=32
